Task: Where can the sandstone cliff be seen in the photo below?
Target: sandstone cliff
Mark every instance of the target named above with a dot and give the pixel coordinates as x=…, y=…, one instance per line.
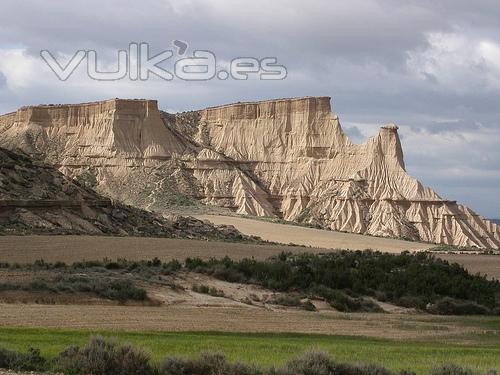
x=285, y=158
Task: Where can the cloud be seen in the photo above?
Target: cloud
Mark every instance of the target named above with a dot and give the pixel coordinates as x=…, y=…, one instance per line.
x=475, y=61
x=354, y=134
x=431, y=67
x=3, y=80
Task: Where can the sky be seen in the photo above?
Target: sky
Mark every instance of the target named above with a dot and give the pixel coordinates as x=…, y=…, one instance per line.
x=430, y=66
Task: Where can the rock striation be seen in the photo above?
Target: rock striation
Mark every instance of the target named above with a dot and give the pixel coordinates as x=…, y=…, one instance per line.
x=285, y=158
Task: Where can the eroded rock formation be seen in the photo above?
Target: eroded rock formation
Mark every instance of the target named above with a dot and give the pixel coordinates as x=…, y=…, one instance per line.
x=286, y=158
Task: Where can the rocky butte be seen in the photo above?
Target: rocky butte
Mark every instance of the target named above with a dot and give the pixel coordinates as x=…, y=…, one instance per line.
x=286, y=158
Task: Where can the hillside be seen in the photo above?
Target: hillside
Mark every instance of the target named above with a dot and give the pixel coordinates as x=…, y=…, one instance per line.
x=285, y=158
x=37, y=198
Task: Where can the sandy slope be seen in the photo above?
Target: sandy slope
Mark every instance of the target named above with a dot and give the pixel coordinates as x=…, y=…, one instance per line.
x=286, y=234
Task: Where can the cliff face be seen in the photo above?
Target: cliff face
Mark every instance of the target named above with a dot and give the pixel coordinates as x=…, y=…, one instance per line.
x=281, y=158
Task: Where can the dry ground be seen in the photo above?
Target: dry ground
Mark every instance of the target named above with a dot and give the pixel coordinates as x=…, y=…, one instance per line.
x=242, y=308
x=477, y=263
x=244, y=319
x=27, y=249
x=286, y=233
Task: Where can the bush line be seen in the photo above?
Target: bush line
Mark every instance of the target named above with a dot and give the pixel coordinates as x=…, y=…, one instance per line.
x=108, y=357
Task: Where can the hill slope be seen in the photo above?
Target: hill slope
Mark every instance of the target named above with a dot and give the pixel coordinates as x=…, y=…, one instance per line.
x=37, y=198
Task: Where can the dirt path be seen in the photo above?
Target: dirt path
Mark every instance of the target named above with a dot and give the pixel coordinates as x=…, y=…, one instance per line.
x=285, y=233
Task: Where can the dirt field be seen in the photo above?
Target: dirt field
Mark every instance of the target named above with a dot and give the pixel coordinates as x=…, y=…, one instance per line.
x=484, y=264
x=27, y=249
x=284, y=233
x=245, y=319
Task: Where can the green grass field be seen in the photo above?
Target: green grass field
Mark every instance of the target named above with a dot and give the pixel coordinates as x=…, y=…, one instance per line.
x=268, y=349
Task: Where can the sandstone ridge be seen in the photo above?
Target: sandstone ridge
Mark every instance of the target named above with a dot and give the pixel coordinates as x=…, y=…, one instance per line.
x=286, y=158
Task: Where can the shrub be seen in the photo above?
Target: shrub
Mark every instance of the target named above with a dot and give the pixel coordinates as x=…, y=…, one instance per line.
x=205, y=289
x=452, y=370
x=214, y=292
x=9, y=286
x=450, y=306
x=38, y=285
x=206, y=364
x=308, y=306
x=172, y=266
x=30, y=361
x=202, y=289
x=112, y=266
x=410, y=280
x=115, y=289
x=291, y=300
x=343, y=302
x=318, y=363
x=104, y=357
x=412, y=301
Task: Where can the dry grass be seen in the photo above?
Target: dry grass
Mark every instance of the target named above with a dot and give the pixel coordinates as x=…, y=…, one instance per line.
x=245, y=319
x=477, y=263
x=286, y=233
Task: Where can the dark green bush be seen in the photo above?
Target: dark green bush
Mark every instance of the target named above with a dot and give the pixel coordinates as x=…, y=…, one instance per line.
x=410, y=280
x=342, y=278
x=450, y=306
x=343, y=302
